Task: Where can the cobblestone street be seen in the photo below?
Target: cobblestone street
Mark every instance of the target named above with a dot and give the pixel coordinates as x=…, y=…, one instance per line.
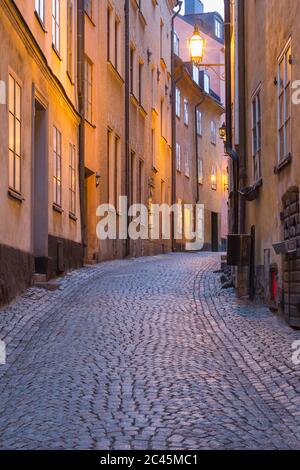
x=147, y=354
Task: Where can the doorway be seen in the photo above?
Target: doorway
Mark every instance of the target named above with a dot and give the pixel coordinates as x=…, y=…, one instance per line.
x=214, y=232
x=40, y=188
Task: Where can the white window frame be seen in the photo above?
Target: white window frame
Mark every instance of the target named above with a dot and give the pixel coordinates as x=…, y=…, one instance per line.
x=213, y=132
x=214, y=172
x=56, y=25
x=88, y=90
x=72, y=179
x=176, y=43
x=178, y=157
x=178, y=103
x=218, y=28
x=206, y=82
x=256, y=134
x=57, y=167
x=186, y=111
x=200, y=171
x=284, y=94
x=70, y=38
x=199, y=122
x=14, y=134
x=40, y=10
x=187, y=164
x=196, y=74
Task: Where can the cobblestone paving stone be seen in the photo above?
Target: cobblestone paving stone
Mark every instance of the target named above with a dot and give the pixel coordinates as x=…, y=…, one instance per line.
x=147, y=354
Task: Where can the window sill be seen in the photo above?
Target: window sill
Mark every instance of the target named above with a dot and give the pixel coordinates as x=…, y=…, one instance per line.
x=143, y=19
x=115, y=72
x=57, y=208
x=163, y=64
x=90, y=18
x=142, y=111
x=70, y=78
x=90, y=123
x=40, y=22
x=56, y=52
x=72, y=217
x=134, y=100
x=286, y=161
x=16, y=196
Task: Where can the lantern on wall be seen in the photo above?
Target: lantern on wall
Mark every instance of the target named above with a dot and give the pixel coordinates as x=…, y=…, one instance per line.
x=196, y=45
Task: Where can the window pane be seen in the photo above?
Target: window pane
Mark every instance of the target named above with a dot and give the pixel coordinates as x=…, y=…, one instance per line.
x=11, y=169
x=11, y=132
x=18, y=137
x=11, y=95
x=18, y=102
x=18, y=174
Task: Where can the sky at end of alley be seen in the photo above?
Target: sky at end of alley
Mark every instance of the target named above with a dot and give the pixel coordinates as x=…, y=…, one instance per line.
x=214, y=5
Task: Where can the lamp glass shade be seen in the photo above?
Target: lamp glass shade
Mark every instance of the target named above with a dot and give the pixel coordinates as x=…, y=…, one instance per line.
x=197, y=44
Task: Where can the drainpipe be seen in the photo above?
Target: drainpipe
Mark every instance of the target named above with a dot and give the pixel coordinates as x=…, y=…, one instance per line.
x=81, y=145
x=173, y=96
x=228, y=146
x=242, y=111
x=197, y=149
x=127, y=118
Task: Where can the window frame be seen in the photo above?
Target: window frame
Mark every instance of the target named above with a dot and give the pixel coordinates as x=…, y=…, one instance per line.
x=256, y=134
x=88, y=90
x=72, y=179
x=15, y=170
x=213, y=132
x=282, y=92
x=178, y=102
x=186, y=111
x=57, y=167
x=56, y=16
x=39, y=8
x=199, y=122
x=178, y=157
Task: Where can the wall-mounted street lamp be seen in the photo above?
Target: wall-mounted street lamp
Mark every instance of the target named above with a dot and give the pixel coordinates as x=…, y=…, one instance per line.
x=196, y=45
x=98, y=178
x=222, y=133
x=197, y=48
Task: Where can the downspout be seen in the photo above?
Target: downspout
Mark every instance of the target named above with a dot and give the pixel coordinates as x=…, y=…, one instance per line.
x=242, y=111
x=127, y=118
x=173, y=96
x=228, y=146
x=81, y=145
x=197, y=149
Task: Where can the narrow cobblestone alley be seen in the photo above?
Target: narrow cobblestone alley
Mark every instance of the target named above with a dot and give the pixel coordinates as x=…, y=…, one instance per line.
x=147, y=354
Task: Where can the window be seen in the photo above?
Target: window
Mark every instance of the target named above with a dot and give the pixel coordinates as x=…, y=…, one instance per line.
x=88, y=7
x=108, y=33
x=214, y=178
x=284, y=103
x=70, y=39
x=218, y=29
x=116, y=170
x=116, y=54
x=140, y=83
x=14, y=173
x=187, y=164
x=178, y=102
x=56, y=24
x=178, y=157
x=199, y=122
x=161, y=39
x=256, y=136
x=186, y=112
x=162, y=117
x=72, y=180
x=40, y=9
x=56, y=167
x=132, y=54
x=153, y=147
x=176, y=43
x=140, y=182
x=196, y=74
x=88, y=90
x=206, y=82
x=200, y=171
x=213, y=132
